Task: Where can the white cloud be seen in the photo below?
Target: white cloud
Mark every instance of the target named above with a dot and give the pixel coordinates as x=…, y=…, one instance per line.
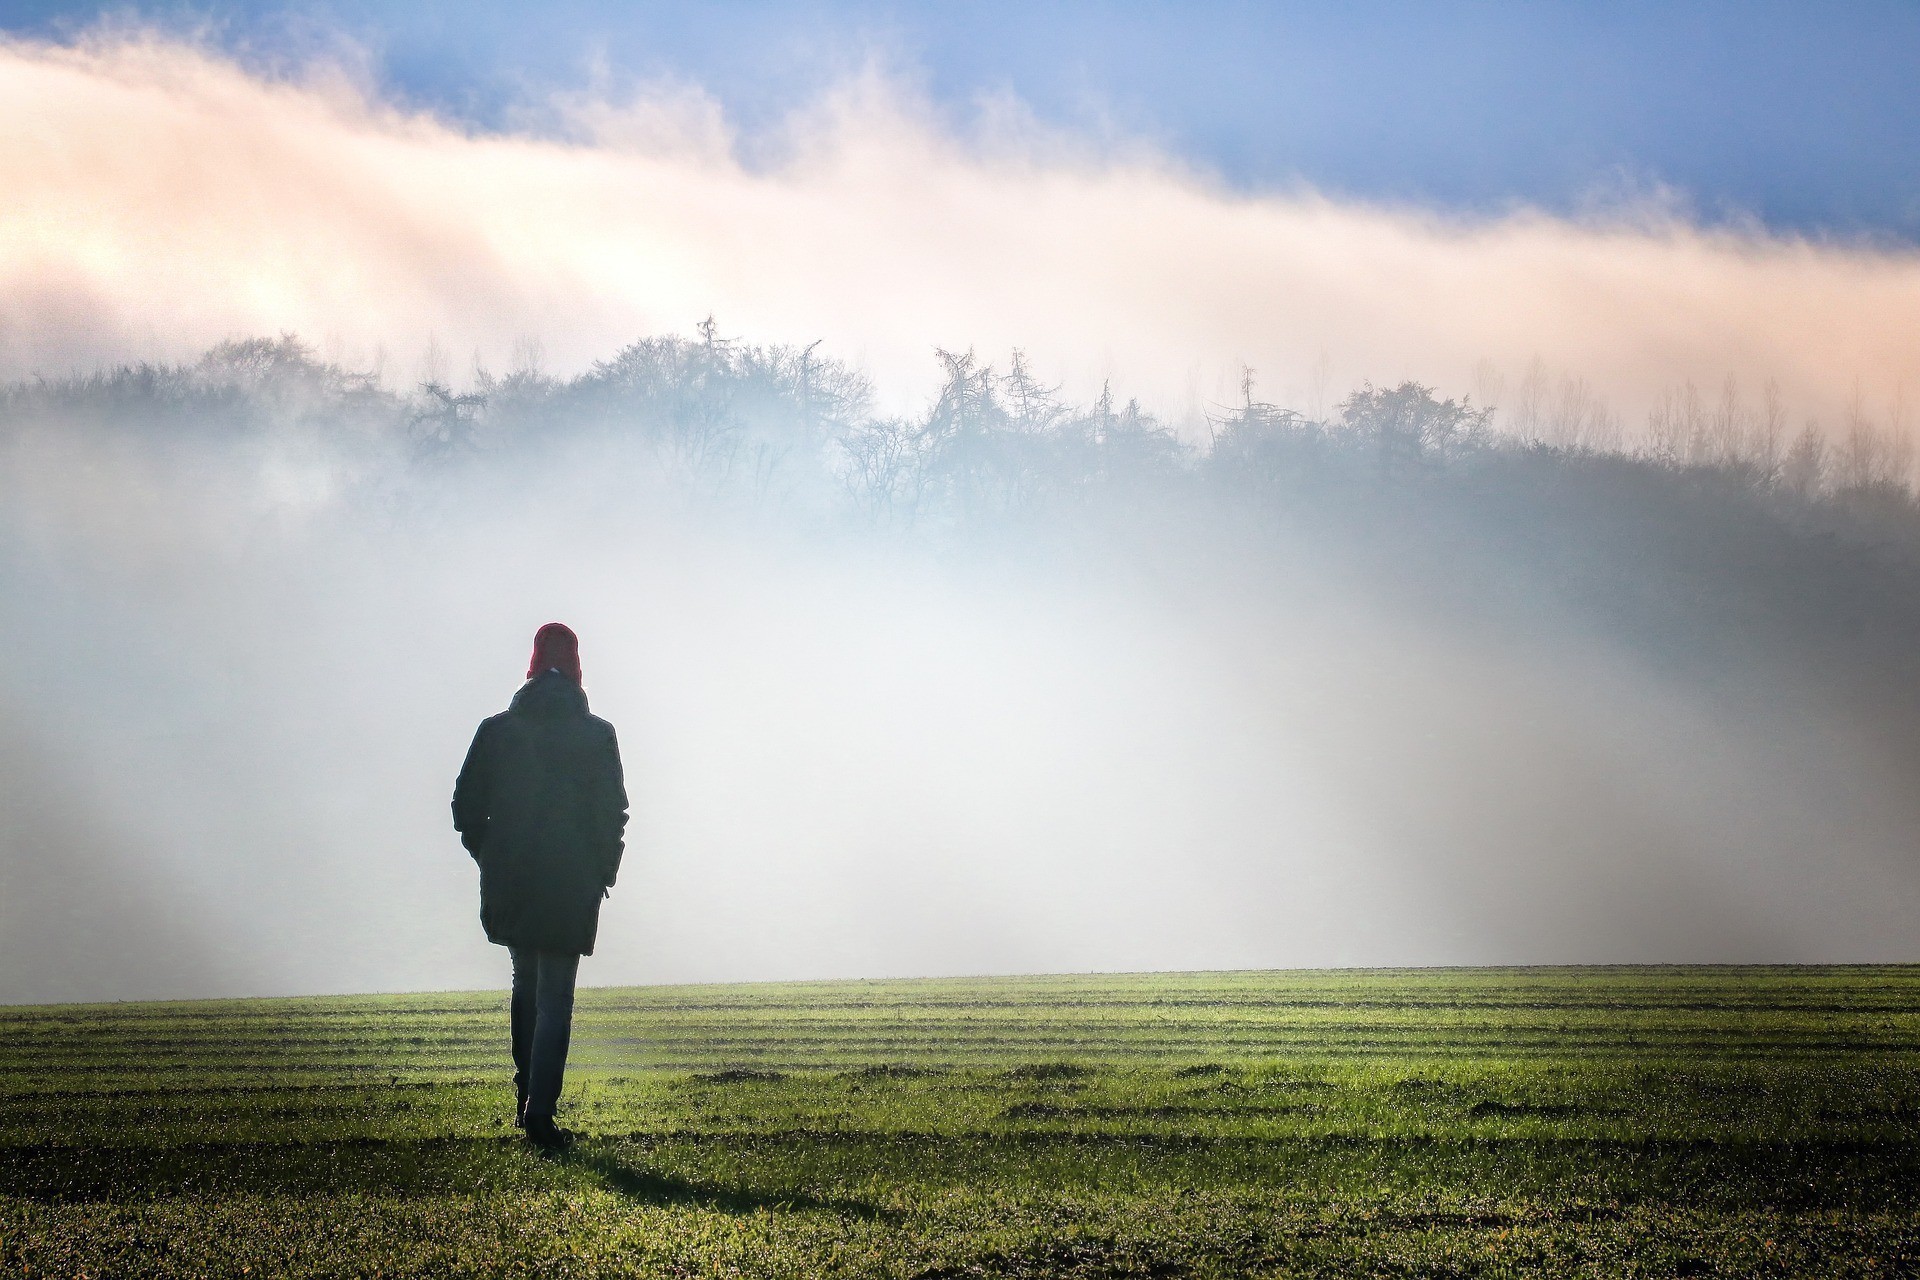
x=159, y=198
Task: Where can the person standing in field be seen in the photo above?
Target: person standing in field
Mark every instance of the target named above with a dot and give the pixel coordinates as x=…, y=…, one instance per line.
x=542, y=807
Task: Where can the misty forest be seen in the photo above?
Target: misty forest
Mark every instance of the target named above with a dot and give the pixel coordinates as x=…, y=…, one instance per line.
x=1009, y=684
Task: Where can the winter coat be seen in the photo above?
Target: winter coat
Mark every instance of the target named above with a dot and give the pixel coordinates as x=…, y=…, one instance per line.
x=541, y=806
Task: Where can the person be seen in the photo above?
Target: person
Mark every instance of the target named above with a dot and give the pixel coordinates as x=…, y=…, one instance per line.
x=541, y=805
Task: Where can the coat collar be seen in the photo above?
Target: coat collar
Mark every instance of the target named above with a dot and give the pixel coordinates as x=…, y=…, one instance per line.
x=550, y=694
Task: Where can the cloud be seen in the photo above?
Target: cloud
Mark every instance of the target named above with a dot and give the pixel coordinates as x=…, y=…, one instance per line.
x=161, y=197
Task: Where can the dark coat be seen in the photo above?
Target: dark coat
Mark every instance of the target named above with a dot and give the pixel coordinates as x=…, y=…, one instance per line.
x=541, y=806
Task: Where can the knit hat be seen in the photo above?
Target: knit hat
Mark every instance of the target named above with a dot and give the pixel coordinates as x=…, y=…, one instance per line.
x=555, y=646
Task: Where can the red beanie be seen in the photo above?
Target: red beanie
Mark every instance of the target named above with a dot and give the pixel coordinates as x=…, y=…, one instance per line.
x=555, y=645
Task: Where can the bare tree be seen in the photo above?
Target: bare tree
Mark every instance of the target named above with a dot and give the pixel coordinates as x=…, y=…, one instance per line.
x=1726, y=428
x=1530, y=405
x=1580, y=419
x=1770, y=432
x=1862, y=461
x=1803, y=471
x=881, y=469
x=444, y=423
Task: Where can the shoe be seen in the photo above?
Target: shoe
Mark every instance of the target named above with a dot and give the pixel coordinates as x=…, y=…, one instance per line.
x=520, y=1115
x=542, y=1132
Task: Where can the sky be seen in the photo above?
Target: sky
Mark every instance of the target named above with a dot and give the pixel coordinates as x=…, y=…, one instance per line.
x=1792, y=115
x=863, y=180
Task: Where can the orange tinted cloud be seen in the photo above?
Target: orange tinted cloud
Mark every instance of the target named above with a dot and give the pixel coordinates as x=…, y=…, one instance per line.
x=159, y=198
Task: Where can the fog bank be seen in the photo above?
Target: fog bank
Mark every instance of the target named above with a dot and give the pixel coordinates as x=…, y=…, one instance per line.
x=1051, y=694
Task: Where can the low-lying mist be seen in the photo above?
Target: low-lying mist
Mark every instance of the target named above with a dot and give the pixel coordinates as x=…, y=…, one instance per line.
x=1007, y=685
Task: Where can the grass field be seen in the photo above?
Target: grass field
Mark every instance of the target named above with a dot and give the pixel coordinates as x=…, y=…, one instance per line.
x=1398, y=1123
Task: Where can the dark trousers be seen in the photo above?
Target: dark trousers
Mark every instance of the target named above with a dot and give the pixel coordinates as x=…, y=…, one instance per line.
x=542, y=1018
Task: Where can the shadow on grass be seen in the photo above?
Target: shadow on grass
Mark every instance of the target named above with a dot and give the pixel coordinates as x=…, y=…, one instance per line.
x=424, y=1168
x=431, y=1169
x=650, y=1186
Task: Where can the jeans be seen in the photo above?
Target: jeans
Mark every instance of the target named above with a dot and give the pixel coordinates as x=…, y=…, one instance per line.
x=542, y=1019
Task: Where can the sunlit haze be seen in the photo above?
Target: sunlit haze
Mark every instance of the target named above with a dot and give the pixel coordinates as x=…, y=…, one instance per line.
x=1611, y=675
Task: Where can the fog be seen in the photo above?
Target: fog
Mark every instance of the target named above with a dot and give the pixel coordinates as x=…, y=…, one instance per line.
x=161, y=197
x=921, y=663
x=1053, y=693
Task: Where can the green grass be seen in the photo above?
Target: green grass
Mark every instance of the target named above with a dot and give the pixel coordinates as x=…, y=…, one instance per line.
x=1397, y=1123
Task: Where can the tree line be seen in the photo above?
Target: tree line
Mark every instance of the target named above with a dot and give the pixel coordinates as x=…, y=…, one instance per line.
x=728, y=415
